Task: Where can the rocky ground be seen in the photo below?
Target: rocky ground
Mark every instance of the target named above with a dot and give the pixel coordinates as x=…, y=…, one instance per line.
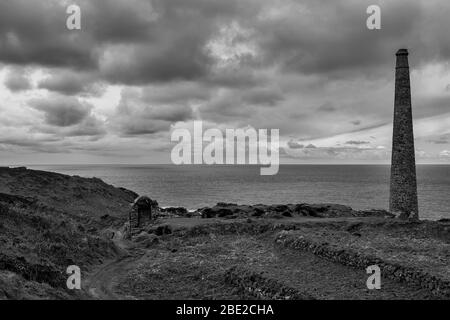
x=295, y=251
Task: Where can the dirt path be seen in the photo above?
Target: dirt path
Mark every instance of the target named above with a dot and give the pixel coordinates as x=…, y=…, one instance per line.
x=101, y=283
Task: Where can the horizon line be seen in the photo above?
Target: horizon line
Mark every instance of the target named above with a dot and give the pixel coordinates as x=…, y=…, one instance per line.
x=206, y=165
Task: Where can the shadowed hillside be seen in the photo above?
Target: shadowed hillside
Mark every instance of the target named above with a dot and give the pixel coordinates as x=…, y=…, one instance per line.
x=89, y=199
x=49, y=221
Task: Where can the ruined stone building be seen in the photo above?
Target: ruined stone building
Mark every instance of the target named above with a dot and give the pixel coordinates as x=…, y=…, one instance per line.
x=142, y=212
x=403, y=188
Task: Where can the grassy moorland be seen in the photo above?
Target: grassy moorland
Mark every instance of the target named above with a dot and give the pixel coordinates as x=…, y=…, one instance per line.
x=50, y=221
x=294, y=251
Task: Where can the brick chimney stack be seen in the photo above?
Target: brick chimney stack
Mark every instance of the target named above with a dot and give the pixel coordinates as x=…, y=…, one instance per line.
x=403, y=189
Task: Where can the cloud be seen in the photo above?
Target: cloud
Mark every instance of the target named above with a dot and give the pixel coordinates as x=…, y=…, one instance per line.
x=71, y=83
x=295, y=145
x=36, y=34
x=441, y=142
x=147, y=63
x=315, y=37
x=240, y=106
x=154, y=42
x=169, y=40
x=445, y=154
x=20, y=142
x=338, y=154
x=133, y=116
x=62, y=111
x=176, y=93
x=309, y=68
x=443, y=139
x=88, y=127
x=357, y=143
x=263, y=96
x=16, y=80
x=240, y=77
x=174, y=44
x=327, y=107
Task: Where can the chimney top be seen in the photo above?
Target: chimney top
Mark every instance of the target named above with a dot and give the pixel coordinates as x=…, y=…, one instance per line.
x=402, y=52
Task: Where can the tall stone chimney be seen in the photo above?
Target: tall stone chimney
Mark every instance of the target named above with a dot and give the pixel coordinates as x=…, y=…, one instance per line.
x=403, y=193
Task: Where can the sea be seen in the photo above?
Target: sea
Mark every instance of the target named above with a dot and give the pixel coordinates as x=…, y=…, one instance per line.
x=196, y=186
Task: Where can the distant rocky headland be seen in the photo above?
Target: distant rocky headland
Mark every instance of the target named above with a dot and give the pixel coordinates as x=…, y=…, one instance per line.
x=49, y=221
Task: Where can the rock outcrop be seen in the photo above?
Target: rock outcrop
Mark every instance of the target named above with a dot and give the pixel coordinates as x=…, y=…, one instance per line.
x=232, y=211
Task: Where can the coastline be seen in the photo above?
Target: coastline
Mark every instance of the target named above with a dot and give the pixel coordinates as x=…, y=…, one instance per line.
x=363, y=187
x=61, y=220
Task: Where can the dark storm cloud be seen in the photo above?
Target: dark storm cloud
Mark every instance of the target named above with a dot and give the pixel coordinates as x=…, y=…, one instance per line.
x=17, y=81
x=332, y=37
x=172, y=113
x=174, y=44
x=264, y=96
x=71, y=83
x=138, y=42
x=237, y=78
x=131, y=42
x=133, y=116
x=139, y=127
x=176, y=93
x=156, y=64
x=90, y=127
x=227, y=107
x=62, y=111
x=35, y=33
x=314, y=60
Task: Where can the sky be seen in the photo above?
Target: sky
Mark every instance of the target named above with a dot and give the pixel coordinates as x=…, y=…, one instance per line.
x=113, y=91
